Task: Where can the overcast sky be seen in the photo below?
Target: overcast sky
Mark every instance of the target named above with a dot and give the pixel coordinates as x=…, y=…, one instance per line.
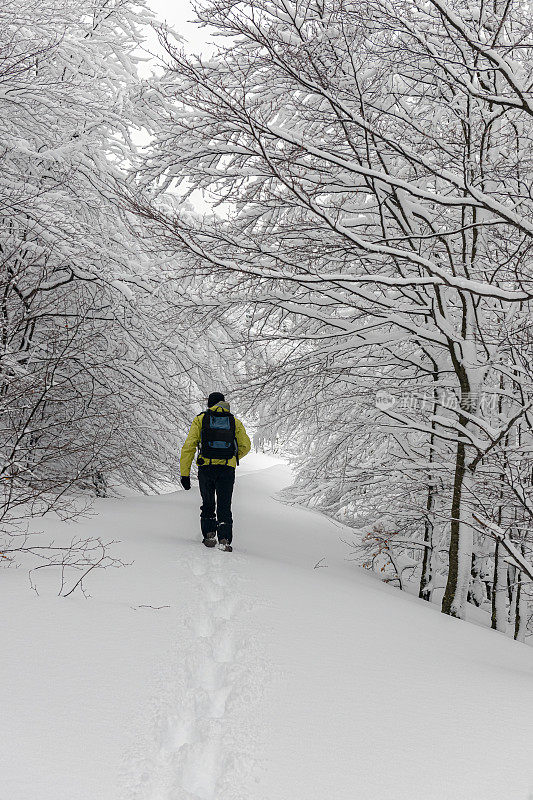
x=178, y=14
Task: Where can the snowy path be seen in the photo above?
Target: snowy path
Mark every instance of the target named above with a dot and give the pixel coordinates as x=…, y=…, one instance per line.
x=189, y=755
x=200, y=675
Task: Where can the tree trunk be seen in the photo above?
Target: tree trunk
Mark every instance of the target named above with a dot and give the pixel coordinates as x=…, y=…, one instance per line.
x=499, y=590
x=476, y=592
x=519, y=607
x=521, y=612
x=461, y=541
x=99, y=483
x=425, y=589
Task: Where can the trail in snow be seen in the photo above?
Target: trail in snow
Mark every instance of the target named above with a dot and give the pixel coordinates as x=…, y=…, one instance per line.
x=190, y=754
x=263, y=679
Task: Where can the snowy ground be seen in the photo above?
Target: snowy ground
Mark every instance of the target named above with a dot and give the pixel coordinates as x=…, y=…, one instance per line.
x=263, y=679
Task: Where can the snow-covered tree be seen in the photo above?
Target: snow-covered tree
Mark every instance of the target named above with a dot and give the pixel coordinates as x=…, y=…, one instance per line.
x=98, y=375
x=373, y=164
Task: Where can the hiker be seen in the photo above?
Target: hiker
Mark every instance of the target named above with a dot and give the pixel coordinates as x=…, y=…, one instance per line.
x=221, y=441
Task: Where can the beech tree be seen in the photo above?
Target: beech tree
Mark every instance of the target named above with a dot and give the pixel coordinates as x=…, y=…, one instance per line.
x=96, y=376
x=372, y=163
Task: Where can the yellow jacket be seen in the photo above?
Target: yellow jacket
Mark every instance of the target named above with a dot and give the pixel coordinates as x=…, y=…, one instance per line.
x=193, y=440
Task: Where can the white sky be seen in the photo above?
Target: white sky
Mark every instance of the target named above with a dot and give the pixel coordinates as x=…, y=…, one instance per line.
x=178, y=14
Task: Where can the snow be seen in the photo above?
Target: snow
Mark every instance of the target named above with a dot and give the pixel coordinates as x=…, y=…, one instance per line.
x=264, y=678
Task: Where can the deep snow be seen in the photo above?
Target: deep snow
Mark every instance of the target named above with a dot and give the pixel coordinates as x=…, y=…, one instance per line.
x=263, y=679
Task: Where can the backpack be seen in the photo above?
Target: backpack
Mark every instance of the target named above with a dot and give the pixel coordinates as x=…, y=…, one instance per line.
x=218, y=436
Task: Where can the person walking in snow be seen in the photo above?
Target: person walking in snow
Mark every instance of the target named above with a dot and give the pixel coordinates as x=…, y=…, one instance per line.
x=221, y=441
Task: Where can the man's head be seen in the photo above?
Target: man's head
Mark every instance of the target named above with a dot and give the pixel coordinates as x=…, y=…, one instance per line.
x=214, y=398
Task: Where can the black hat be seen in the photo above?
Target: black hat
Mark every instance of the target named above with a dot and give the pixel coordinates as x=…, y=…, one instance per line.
x=214, y=398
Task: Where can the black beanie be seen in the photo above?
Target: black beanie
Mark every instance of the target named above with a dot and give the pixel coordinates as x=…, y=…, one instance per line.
x=214, y=398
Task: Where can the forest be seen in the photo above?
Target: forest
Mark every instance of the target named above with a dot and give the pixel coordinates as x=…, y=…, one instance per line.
x=330, y=217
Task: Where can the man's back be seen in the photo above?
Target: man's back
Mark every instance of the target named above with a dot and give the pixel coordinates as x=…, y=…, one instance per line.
x=193, y=440
x=212, y=431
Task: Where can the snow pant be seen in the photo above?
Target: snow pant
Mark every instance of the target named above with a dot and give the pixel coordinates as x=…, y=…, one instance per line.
x=216, y=487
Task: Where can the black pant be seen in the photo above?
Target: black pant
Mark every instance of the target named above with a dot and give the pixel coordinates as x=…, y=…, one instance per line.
x=216, y=480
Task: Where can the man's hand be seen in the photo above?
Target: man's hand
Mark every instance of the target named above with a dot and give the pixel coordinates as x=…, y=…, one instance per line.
x=185, y=481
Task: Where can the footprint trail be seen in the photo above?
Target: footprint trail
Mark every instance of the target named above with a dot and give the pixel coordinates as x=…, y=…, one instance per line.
x=193, y=756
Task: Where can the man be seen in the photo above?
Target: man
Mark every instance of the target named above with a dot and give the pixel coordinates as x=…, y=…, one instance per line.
x=221, y=441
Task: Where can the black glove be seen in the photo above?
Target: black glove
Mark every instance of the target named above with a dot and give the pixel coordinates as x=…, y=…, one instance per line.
x=185, y=481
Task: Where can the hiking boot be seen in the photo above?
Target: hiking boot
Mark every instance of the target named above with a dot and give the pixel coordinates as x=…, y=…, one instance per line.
x=225, y=545
x=210, y=539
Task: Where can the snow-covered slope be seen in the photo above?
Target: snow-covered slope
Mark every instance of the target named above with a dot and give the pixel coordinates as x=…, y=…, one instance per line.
x=196, y=674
